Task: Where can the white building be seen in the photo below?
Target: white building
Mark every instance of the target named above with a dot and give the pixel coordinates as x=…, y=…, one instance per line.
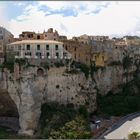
x=5, y=38
x=38, y=49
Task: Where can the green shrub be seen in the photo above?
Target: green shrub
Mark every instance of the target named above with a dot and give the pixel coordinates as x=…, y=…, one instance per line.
x=84, y=68
x=58, y=64
x=55, y=118
x=9, y=65
x=21, y=61
x=117, y=105
x=73, y=71
x=127, y=62
x=54, y=115
x=134, y=136
x=114, y=63
x=45, y=65
x=75, y=129
x=83, y=111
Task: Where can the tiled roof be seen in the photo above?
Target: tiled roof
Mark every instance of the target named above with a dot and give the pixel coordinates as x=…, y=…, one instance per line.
x=36, y=42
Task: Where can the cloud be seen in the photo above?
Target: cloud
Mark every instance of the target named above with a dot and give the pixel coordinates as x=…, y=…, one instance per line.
x=93, y=18
x=77, y=6
x=63, y=27
x=3, y=15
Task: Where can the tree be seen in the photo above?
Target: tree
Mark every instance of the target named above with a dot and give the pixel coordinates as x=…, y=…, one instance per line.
x=75, y=129
x=127, y=62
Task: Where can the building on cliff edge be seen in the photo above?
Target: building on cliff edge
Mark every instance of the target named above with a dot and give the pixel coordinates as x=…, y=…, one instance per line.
x=5, y=38
x=38, y=49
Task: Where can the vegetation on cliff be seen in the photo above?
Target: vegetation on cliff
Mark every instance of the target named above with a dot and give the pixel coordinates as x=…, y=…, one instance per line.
x=6, y=133
x=60, y=121
x=125, y=102
x=119, y=105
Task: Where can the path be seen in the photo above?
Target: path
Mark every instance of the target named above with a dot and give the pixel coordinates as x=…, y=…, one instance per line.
x=123, y=127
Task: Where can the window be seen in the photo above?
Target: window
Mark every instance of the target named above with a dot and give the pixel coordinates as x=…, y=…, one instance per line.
x=38, y=47
x=65, y=55
x=0, y=31
x=103, y=58
x=57, y=54
x=47, y=54
x=75, y=56
x=1, y=37
x=17, y=53
x=28, y=47
x=38, y=54
x=56, y=47
x=19, y=47
x=28, y=53
x=38, y=37
x=9, y=40
x=47, y=47
x=28, y=36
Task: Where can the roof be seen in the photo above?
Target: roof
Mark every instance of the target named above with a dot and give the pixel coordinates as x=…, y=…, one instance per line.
x=36, y=42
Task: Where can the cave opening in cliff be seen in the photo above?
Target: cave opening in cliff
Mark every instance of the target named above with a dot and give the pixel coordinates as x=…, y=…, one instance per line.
x=40, y=72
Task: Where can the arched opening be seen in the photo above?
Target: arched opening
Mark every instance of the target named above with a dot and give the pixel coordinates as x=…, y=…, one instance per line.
x=9, y=116
x=40, y=72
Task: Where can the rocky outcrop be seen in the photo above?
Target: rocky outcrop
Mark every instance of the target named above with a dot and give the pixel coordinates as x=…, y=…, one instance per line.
x=110, y=78
x=27, y=90
x=66, y=88
x=30, y=87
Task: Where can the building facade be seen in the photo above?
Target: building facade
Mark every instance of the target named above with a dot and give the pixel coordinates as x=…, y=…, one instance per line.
x=38, y=49
x=86, y=39
x=79, y=52
x=5, y=38
x=49, y=35
x=31, y=36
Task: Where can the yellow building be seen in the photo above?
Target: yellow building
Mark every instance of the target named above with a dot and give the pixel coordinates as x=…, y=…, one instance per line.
x=99, y=59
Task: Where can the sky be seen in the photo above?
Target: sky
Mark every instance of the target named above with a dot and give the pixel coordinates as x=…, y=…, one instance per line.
x=72, y=18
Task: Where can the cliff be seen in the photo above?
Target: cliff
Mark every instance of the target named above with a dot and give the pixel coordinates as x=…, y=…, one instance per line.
x=30, y=87
x=112, y=78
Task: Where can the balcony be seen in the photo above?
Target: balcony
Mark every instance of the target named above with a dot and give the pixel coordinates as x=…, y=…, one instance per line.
x=27, y=56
